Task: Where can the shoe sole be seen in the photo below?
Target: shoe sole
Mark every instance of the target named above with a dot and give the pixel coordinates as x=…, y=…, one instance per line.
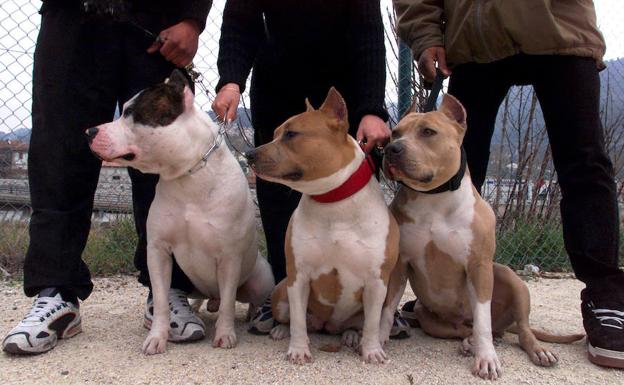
x=403, y=334
x=14, y=348
x=254, y=330
x=604, y=357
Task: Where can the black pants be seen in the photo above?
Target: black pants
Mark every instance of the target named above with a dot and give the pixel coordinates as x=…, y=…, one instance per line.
x=82, y=69
x=273, y=101
x=568, y=90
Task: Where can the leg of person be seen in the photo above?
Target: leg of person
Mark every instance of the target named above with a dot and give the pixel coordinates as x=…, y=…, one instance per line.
x=271, y=105
x=73, y=89
x=480, y=88
x=142, y=70
x=568, y=89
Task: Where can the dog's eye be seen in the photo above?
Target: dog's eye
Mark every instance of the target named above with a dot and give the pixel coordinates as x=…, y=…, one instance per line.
x=290, y=134
x=427, y=132
x=395, y=134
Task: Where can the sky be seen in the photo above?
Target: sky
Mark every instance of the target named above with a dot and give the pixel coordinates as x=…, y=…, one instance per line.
x=19, y=24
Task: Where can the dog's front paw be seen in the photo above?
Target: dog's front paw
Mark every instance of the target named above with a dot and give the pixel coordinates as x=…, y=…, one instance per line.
x=351, y=338
x=373, y=354
x=155, y=343
x=279, y=332
x=487, y=365
x=224, y=339
x=466, y=348
x=299, y=354
x=543, y=357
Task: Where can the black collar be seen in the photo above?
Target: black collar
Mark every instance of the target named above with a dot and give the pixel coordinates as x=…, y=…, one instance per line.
x=453, y=183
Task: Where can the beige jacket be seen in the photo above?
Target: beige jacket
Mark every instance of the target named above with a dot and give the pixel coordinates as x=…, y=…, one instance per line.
x=487, y=30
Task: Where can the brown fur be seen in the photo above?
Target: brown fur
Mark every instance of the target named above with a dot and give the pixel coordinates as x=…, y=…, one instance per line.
x=392, y=249
x=327, y=286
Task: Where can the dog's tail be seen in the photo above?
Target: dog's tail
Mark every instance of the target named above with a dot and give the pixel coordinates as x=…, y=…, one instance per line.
x=552, y=338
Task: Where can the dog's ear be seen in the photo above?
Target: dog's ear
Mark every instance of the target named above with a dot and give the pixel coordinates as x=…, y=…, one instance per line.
x=452, y=108
x=181, y=84
x=412, y=108
x=309, y=106
x=177, y=79
x=335, y=106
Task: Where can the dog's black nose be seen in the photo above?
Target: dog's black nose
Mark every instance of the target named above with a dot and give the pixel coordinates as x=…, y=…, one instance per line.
x=393, y=149
x=250, y=156
x=91, y=133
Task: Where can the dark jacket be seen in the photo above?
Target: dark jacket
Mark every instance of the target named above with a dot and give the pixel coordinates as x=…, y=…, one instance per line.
x=305, y=43
x=176, y=10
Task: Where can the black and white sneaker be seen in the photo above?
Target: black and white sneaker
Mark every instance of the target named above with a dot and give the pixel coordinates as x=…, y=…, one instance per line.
x=50, y=318
x=184, y=324
x=408, y=314
x=603, y=319
x=262, y=322
x=400, y=327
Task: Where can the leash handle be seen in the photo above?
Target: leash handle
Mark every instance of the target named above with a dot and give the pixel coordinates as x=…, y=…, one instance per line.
x=436, y=87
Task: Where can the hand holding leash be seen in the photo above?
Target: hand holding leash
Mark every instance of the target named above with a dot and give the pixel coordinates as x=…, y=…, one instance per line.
x=226, y=102
x=427, y=64
x=178, y=43
x=372, y=132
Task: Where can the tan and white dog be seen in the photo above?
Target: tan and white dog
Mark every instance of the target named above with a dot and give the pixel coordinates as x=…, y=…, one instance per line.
x=342, y=240
x=202, y=212
x=448, y=242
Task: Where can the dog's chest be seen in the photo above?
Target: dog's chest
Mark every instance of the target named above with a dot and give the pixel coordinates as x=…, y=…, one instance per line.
x=338, y=254
x=436, y=240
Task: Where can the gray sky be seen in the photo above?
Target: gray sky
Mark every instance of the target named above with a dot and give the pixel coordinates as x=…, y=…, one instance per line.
x=20, y=23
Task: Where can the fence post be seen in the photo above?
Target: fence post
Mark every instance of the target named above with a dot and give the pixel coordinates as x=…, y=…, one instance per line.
x=405, y=78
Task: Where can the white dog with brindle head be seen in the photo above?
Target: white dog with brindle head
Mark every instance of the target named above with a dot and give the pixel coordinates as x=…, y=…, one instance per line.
x=202, y=212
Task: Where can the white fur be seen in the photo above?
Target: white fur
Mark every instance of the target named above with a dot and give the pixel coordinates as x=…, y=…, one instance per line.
x=350, y=236
x=206, y=219
x=328, y=183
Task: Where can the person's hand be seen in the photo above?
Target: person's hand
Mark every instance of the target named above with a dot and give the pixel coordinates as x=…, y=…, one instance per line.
x=374, y=131
x=427, y=60
x=178, y=43
x=226, y=102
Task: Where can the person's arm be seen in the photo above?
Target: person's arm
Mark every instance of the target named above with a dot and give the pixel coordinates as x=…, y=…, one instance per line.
x=420, y=26
x=241, y=33
x=368, y=71
x=195, y=10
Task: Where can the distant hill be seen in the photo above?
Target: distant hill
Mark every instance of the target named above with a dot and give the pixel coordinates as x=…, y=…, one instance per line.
x=21, y=134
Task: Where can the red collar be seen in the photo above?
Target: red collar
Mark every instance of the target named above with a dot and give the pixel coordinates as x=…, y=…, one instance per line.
x=355, y=183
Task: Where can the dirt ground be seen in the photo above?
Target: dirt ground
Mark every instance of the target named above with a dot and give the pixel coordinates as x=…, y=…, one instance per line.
x=108, y=350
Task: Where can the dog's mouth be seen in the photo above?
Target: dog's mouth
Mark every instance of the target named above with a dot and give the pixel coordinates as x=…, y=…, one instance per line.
x=394, y=172
x=294, y=175
x=390, y=170
x=129, y=156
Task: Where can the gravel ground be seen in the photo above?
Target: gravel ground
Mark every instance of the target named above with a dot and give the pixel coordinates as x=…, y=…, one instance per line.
x=108, y=350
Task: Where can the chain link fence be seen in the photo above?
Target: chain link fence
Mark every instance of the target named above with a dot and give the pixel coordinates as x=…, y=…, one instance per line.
x=521, y=184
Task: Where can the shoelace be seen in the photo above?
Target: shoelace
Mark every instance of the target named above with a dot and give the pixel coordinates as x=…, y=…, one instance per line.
x=613, y=319
x=44, y=307
x=178, y=301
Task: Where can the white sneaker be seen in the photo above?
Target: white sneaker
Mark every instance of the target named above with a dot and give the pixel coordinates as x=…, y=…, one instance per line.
x=184, y=324
x=49, y=319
